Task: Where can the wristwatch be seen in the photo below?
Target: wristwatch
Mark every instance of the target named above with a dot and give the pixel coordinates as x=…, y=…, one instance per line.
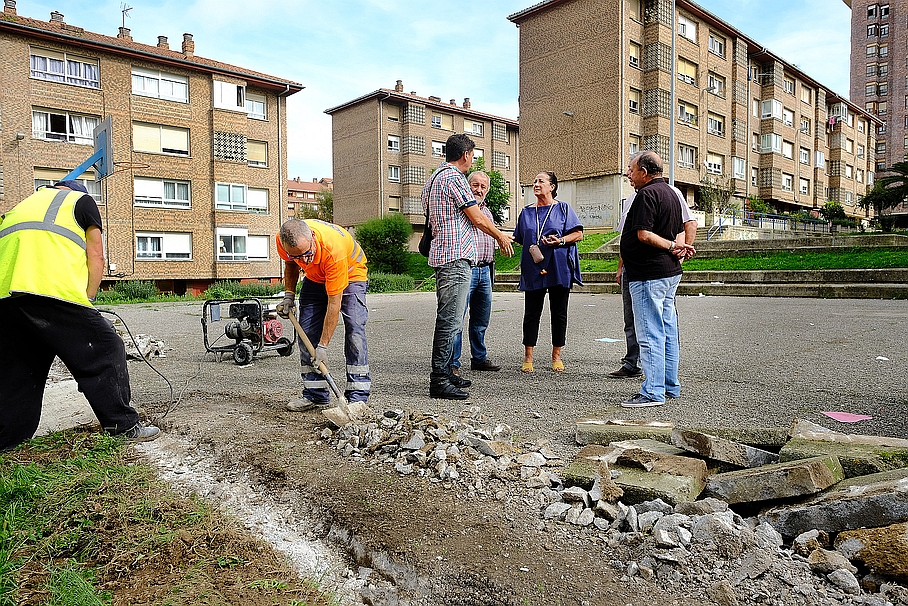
x=672, y=246
x=562, y=242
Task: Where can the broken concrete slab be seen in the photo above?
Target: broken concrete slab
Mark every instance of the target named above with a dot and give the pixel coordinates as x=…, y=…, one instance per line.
x=650, y=446
x=859, y=455
x=806, y=430
x=881, y=549
x=589, y=470
x=764, y=438
x=776, y=481
x=873, y=501
x=606, y=431
x=672, y=479
x=720, y=449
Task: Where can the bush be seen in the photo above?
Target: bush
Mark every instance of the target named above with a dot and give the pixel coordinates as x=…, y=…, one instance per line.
x=385, y=242
x=228, y=289
x=130, y=290
x=379, y=282
x=428, y=285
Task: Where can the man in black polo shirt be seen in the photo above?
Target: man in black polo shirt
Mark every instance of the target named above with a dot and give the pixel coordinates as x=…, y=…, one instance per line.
x=652, y=247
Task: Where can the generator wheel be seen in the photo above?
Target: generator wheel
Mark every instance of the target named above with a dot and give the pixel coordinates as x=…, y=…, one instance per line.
x=284, y=346
x=242, y=354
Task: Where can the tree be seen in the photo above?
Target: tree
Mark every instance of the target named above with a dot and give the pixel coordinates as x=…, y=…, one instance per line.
x=833, y=211
x=498, y=198
x=324, y=209
x=888, y=192
x=715, y=192
x=385, y=242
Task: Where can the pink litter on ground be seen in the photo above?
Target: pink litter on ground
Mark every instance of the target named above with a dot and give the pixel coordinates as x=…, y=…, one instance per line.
x=846, y=417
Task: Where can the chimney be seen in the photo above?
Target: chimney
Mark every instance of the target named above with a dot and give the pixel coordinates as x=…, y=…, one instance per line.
x=413, y=92
x=9, y=7
x=398, y=88
x=434, y=98
x=124, y=33
x=162, y=42
x=453, y=101
x=188, y=46
x=314, y=180
x=57, y=16
x=466, y=103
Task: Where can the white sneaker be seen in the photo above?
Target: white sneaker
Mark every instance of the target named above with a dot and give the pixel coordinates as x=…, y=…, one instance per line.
x=302, y=405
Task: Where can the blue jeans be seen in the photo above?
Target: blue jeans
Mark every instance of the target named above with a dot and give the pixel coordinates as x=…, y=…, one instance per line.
x=313, y=305
x=479, y=302
x=656, y=325
x=452, y=287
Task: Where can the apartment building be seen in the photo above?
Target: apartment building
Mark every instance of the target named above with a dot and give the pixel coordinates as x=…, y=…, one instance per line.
x=387, y=143
x=303, y=195
x=595, y=87
x=200, y=147
x=879, y=76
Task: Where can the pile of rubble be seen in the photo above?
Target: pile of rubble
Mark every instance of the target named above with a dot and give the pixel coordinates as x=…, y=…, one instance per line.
x=827, y=513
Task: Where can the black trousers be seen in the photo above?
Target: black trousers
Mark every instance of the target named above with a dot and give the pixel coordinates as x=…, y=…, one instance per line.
x=532, y=312
x=39, y=328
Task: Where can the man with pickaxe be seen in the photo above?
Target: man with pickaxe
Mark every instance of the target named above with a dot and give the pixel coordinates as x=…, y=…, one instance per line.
x=334, y=285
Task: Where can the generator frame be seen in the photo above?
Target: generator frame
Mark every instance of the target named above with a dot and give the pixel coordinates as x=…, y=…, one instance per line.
x=252, y=342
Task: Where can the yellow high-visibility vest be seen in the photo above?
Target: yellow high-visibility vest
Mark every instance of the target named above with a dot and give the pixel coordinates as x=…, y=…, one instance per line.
x=42, y=248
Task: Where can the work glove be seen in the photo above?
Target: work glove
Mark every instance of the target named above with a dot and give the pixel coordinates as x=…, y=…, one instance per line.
x=321, y=355
x=286, y=307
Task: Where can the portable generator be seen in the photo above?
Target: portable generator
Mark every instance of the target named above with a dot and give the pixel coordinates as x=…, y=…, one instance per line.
x=252, y=326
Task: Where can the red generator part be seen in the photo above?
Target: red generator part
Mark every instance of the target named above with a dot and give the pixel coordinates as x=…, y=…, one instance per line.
x=273, y=330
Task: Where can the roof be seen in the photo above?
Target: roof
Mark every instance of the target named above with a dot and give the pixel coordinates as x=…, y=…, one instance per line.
x=754, y=48
x=68, y=34
x=386, y=94
x=294, y=185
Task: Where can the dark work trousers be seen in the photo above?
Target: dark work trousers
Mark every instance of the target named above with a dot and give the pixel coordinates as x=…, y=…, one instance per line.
x=631, y=360
x=39, y=328
x=532, y=312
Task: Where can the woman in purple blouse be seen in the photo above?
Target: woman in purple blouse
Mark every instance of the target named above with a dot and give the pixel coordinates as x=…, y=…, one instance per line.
x=549, y=263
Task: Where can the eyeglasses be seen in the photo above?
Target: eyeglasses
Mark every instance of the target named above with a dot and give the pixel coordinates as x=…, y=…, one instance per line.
x=308, y=255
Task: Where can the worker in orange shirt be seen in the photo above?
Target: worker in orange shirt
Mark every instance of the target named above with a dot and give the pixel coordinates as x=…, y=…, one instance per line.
x=334, y=285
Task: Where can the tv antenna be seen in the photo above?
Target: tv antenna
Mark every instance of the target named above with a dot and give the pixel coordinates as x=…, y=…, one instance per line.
x=124, y=8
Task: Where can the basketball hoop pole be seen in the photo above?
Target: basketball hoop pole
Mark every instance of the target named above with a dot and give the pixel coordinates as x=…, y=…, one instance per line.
x=102, y=159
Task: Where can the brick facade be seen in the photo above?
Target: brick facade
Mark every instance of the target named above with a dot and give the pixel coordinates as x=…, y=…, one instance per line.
x=22, y=160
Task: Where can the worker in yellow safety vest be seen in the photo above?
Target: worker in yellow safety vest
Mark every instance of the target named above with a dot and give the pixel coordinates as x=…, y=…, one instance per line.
x=51, y=264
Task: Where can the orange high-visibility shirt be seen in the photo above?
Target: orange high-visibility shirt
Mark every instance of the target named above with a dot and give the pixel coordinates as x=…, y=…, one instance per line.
x=338, y=260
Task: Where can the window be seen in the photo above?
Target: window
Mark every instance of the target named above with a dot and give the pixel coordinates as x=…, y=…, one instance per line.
x=164, y=193
x=871, y=11
x=884, y=10
x=787, y=149
x=738, y=168
x=633, y=145
x=870, y=90
x=787, y=181
x=881, y=108
x=860, y=151
x=871, y=69
x=633, y=9
x=771, y=108
x=714, y=164
x=231, y=243
x=687, y=28
x=255, y=106
x=789, y=86
x=716, y=84
x=871, y=50
x=394, y=174
x=716, y=44
x=477, y=154
x=45, y=177
x=804, y=156
x=687, y=71
x=63, y=67
x=257, y=247
x=805, y=126
x=754, y=176
x=883, y=89
x=756, y=105
x=819, y=159
x=849, y=146
x=715, y=124
x=160, y=139
x=230, y=196
x=805, y=94
x=393, y=143
x=438, y=149
x=229, y=96
x=51, y=125
x=633, y=101
x=394, y=204
x=804, y=186
x=884, y=70
x=881, y=129
x=687, y=113
x=849, y=171
x=471, y=127
x=393, y=112
x=881, y=147
x=160, y=85
x=687, y=156
x=787, y=117
x=165, y=246
x=872, y=30
x=257, y=153
x=884, y=50
x=443, y=121
x=870, y=106
x=634, y=54
x=771, y=142
x=257, y=200
x=859, y=175
x=755, y=142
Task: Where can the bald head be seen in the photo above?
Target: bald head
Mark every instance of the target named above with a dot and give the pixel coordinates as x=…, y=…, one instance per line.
x=295, y=234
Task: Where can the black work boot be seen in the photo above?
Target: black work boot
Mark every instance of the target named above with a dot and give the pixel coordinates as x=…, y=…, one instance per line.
x=458, y=381
x=441, y=387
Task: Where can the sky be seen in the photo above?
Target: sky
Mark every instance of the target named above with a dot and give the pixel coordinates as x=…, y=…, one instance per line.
x=343, y=49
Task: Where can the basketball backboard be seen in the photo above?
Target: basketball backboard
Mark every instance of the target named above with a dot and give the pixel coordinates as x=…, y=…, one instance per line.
x=102, y=158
